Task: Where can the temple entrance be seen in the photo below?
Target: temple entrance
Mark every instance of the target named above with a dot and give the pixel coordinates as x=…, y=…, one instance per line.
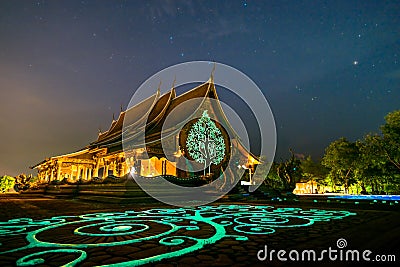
x=101, y=172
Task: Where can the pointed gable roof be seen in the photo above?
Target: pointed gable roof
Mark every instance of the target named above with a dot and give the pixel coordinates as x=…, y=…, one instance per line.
x=155, y=109
x=160, y=107
x=131, y=117
x=185, y=111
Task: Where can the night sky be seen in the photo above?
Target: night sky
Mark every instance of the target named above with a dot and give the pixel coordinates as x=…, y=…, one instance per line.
x=328, y=69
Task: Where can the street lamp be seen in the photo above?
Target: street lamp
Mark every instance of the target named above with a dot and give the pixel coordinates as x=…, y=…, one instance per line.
x=250, y=182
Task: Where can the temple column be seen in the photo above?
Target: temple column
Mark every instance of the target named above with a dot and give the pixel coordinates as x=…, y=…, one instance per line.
x=78, y=173
x=89, y=174
x=51, y=174
x=105, y=171
x=59, y=163
x=122, y=169
x=71, y=173
x=96, y=169
x=115, y=169
x=122, y=165
x=84, y=176
x=125, y=168
x=132, y=164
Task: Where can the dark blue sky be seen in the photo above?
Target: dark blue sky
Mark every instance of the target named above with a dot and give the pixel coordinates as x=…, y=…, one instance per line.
x=328, y=68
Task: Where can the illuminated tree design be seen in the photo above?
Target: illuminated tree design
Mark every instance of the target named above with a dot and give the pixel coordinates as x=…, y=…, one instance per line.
x=205, y=143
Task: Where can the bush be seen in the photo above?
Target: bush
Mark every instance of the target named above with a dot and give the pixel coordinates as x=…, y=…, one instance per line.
x=6, y=183
x=113, y=180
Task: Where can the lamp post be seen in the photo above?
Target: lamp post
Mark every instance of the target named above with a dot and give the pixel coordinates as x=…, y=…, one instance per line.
x=250, y=182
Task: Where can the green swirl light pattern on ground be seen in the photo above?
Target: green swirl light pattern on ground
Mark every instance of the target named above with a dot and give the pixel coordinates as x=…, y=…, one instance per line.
x=131, y=228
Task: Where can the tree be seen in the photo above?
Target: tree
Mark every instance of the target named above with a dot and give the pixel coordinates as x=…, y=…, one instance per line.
x=313, y=171
x=23, y=182
x=272, y=180
x=6, y=183
x=371, y=166
x=205, y=143
x=289, y=172
x=391, y=138
x=341, y=157
x=373, y=161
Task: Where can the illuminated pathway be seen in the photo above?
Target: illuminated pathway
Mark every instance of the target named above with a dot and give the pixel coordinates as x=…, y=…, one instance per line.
x=145, y=236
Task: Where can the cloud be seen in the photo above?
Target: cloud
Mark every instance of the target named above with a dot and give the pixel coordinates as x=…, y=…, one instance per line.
x=220, y=28
x=210, y=22
x=168, y=9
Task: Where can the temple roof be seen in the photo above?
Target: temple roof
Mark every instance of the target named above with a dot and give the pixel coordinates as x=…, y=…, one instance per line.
x=80, y=154
x=183, y=112
x=150, y=115
x=155, y=108
x=131, y=116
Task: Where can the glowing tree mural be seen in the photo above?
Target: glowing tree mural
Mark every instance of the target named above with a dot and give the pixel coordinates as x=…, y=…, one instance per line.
x=205, y=143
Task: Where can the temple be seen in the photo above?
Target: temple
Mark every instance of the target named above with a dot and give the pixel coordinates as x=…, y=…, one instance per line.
x=164, y=148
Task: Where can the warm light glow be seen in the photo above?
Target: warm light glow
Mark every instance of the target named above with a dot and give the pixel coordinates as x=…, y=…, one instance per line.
x=154, y=167
x=178, y=153
x=133, y=171
x=252, y=161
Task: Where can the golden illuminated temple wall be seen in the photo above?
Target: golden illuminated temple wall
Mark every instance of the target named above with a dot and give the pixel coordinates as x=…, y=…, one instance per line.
x=154, y=167
x=59, y=170
x=110, y=164
x=74, y=169
x=309, y=187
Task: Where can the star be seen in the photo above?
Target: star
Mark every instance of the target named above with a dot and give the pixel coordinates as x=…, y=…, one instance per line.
x=355, y=62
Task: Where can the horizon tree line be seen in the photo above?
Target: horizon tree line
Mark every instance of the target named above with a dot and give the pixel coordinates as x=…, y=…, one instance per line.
x=370, y=165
